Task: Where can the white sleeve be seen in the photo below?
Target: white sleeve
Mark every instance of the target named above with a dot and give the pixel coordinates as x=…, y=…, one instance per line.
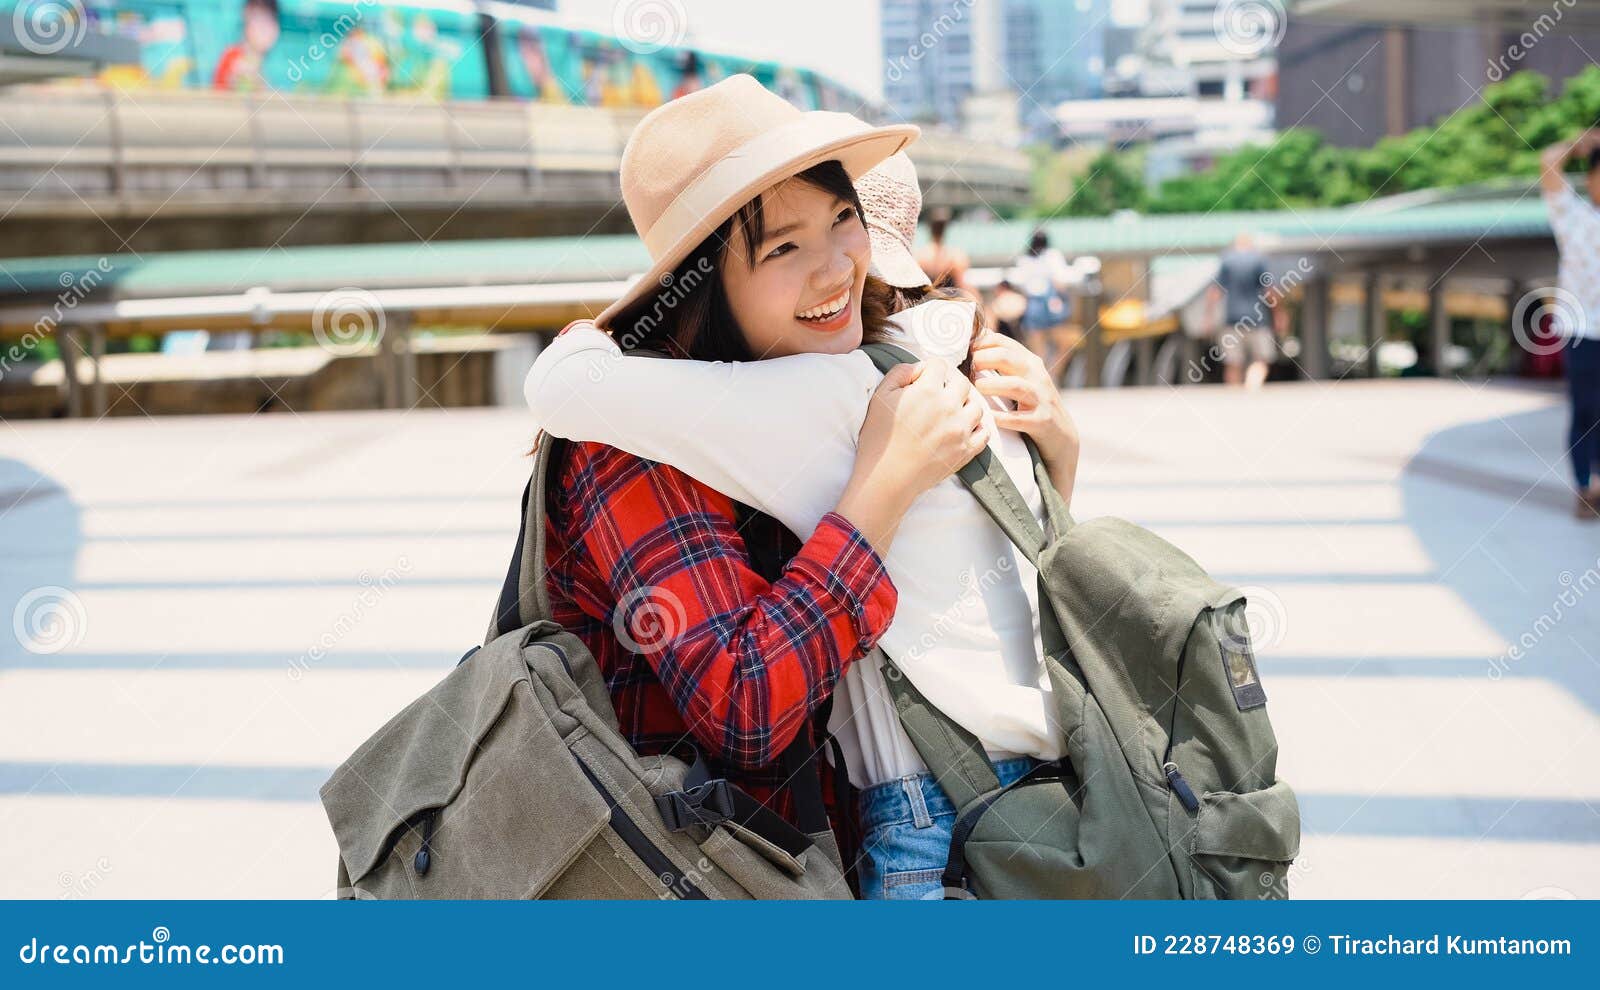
x=778, y=434
x=1568, y=216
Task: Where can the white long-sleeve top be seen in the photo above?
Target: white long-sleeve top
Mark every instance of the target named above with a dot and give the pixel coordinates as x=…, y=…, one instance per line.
x=780, y=435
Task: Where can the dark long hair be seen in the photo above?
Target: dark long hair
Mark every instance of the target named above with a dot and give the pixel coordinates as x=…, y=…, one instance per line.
x=689, y=315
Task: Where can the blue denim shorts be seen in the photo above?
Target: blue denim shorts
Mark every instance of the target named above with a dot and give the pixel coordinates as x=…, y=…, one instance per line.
x=906, y=825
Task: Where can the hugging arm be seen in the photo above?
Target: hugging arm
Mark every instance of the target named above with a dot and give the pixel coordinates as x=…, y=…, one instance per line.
x=778, y=435
x=744, y=661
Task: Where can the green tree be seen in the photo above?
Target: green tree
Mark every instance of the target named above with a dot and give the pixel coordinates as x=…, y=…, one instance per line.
x=1111, y=183
x=1295, y=171
x=1497, y=137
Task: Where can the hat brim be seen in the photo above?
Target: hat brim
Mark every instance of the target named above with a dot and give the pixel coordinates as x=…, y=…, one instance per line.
x=813, y=138
x=893, y=263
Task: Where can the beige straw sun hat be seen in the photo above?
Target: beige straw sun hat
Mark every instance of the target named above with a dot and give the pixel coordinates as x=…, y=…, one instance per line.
x=691, y=163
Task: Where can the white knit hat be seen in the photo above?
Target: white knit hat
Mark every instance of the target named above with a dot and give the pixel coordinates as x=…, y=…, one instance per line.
x=891, y=200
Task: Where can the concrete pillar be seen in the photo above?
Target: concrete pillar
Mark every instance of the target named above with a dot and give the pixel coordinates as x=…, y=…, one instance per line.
x=1093, y=347
x=97, y=356
x=1515, y=290
x=397, y=363
x=1144, y=361
x=69, y=347
x=1315, y=361
x=1374, y=322
x=1397, y=66
x=1438, y=327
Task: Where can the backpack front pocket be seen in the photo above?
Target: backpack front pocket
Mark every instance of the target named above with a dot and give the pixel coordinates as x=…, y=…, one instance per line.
x=1243, y=843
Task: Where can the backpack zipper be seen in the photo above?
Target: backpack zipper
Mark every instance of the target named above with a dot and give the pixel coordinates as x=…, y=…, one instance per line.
x=954, y=877
x=424, y=858
x=566, y=664
x=656, y=861
x=1175, y=780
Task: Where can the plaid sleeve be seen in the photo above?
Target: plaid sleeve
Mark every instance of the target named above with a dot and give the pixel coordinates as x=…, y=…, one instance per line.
x=744, y=661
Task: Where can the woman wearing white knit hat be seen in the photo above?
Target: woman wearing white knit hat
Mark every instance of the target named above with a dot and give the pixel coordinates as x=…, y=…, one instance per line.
x=786, y=434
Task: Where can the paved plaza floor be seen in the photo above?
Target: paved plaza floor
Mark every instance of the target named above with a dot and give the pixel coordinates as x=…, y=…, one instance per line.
x=204, y=615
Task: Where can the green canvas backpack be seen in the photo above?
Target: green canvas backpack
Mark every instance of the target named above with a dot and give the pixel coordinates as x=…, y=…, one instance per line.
x=510, y=779
x=1169, y=787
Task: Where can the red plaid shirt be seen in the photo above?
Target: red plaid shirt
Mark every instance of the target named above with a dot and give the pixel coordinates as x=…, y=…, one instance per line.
x=703, y=646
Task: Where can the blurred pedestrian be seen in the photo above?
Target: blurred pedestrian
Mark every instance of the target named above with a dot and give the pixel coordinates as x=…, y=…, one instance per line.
x=1005, y=310
x=1575, y=220
x=1244, y=314
x=943, y=264
x=1042, y=275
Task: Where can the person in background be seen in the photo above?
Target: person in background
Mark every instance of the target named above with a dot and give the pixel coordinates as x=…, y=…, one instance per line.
x=1575, y=220
x=944, y=265
x=1005, y=310
x=1042, y=275
x=545, y=87
x=239, y=68
x=690, y=80
x=1245, y=317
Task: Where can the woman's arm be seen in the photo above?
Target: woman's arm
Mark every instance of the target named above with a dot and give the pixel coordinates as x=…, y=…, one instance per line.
x=795, y=437
x=745, y=661
x=1553, y=161
x=778, y=435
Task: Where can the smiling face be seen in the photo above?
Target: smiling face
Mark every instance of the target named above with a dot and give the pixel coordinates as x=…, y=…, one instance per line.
x=799, y=290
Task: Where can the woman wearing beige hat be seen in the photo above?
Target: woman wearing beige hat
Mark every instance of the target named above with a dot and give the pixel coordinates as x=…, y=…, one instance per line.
x=777, y=267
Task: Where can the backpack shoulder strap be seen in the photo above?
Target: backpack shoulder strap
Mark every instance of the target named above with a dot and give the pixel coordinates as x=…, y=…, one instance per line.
x=984, y=475
x=524, y=599
x=954, y=754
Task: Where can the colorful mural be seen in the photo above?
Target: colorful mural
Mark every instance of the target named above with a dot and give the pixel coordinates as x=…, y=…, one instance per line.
x=432, y=49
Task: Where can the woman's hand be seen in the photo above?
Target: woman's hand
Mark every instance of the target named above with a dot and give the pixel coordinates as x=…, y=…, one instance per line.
x=1022, y=377
x=924, y=422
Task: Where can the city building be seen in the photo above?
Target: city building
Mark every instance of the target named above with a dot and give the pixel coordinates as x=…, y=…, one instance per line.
x=937, y=53
x=1055, y=50
x=1212, y=49
x=1351, y=69
x=1195, y=82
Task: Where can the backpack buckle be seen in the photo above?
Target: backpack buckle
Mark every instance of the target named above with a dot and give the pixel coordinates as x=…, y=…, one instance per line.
x=707, y=804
